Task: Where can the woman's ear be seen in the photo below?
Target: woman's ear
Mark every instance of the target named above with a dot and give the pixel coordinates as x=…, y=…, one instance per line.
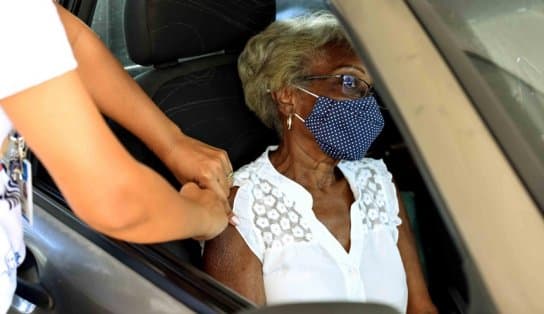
x=285, y=99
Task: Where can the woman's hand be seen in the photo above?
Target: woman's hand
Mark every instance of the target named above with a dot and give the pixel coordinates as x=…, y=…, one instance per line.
x=217, y=209
x=193, y=161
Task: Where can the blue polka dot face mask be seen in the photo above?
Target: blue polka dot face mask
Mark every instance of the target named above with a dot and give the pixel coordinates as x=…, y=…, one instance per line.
x=344, y=129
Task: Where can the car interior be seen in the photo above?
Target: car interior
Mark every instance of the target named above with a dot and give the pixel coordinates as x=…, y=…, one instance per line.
x=189, y=50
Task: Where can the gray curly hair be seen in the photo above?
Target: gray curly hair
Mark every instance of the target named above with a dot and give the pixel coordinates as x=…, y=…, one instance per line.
x=280, y=55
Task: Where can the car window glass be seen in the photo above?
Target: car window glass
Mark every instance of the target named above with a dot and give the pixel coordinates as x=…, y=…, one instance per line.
x=289, y=8
x=503, y=39
x=108, y=24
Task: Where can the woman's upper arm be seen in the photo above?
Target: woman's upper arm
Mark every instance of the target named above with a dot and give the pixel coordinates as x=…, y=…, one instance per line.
x=66, y=132
x=419, y=300
x=228, y=259
x=64, y=128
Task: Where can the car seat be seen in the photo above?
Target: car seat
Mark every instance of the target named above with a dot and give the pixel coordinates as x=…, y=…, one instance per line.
x=192, y=49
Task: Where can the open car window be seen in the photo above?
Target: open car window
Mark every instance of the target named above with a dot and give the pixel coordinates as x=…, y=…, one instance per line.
x=440, y=257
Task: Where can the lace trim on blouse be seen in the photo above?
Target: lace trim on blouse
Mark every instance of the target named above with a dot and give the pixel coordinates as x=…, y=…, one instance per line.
x=274, y=213
x=374, y=183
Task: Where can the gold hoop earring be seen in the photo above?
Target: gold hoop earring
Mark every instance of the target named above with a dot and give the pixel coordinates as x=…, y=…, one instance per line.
x=289, y=121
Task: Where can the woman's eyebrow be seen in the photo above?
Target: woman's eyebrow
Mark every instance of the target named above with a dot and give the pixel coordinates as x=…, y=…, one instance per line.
x=353, y=67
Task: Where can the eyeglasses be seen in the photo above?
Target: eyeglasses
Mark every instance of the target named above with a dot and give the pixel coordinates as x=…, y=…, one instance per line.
x=349, y=85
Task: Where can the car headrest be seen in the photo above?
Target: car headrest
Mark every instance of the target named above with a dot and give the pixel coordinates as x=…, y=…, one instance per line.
x=163, y=31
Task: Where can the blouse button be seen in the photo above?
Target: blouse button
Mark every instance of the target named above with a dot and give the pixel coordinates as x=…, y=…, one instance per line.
x=353, y=271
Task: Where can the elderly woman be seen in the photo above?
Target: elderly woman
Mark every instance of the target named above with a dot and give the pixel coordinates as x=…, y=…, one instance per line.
x=317, y=220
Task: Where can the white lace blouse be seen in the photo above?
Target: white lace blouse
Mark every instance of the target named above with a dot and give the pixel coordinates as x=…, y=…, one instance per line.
x=302, y=261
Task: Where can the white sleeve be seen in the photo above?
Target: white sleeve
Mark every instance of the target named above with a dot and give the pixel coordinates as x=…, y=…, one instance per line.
x=34, y=47
x=243, y=209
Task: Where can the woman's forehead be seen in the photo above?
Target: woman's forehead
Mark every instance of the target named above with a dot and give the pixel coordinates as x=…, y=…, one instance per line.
x=337, y=58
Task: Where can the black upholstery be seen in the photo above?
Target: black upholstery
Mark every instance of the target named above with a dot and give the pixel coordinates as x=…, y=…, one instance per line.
x=162, y=31
x=201, y=92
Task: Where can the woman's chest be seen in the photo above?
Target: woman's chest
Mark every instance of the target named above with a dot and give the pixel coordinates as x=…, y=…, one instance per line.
x=311, y=270
x=338, y=225
x=333, y=211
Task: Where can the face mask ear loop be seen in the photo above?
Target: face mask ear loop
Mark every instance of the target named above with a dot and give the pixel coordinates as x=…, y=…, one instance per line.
x=299, y=117
x=307, y=91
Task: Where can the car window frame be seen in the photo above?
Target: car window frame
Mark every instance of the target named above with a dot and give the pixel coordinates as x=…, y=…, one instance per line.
x=417, y=119
x=516, y=148
x=84, y=9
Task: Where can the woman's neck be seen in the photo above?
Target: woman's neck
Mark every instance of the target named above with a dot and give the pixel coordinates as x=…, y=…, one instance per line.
x=305, y=164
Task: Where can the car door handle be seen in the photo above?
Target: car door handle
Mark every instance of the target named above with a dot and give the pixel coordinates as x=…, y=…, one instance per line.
x=34, y=293
x=29, y=295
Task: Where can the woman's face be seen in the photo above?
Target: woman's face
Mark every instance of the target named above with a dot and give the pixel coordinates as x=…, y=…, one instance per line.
x=338, y=73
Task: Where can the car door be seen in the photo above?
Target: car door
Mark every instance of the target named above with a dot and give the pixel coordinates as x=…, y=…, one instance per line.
x=484, y=173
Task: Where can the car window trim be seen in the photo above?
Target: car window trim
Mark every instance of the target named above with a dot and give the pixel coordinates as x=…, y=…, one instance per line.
x=84, y=9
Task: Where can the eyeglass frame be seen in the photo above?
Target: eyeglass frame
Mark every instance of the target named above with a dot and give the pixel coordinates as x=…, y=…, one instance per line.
x=369, y=91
